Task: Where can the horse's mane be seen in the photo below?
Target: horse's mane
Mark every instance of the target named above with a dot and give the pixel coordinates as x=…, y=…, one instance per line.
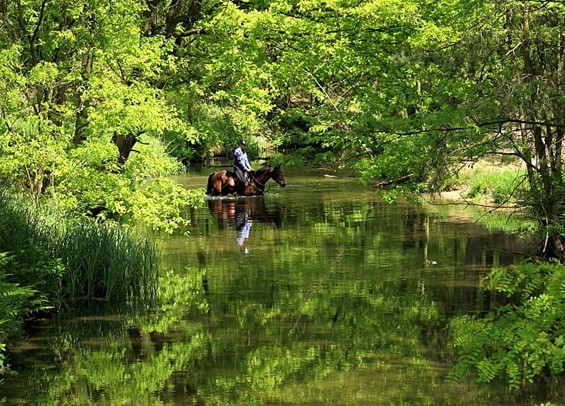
x=264, y=169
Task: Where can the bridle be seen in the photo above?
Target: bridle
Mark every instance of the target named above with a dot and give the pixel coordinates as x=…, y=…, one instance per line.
x=262, y=185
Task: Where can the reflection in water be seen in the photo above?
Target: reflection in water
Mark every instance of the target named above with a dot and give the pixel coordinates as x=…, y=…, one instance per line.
x=243, y=225
x=341, y=300
x=254, y=208
x=242, y=212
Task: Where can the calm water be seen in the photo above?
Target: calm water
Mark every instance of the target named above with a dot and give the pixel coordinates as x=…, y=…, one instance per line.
x=315, y=294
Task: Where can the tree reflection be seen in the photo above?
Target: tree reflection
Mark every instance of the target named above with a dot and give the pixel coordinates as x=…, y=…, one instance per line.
x=222, y=350
x=363, y=312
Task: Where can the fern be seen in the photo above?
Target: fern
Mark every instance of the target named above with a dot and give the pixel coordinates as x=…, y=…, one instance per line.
x=521, y=342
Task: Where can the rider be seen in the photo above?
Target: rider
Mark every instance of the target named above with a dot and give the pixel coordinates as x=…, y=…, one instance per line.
x=241, y=164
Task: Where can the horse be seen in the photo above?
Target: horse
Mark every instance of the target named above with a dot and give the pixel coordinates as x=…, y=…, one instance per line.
x=225, y=183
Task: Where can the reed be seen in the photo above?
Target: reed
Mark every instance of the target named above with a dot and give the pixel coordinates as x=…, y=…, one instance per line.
x=104, y=261
x=20, y=225
x=99, y=260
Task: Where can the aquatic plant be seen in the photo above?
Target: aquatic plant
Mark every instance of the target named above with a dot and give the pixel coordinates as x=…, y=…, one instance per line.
x=26, y=233
x=74, y=258
x=105, y=261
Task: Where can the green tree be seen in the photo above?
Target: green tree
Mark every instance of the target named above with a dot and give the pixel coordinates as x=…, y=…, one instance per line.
x=83, y=120
x=409, y=90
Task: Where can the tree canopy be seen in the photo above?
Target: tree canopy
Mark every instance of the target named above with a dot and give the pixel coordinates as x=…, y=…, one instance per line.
x=116, y=93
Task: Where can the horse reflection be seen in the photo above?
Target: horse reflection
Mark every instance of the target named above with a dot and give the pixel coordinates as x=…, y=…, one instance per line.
x=240, y=212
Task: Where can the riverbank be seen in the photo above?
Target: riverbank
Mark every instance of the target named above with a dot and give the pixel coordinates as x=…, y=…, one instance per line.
x=46, y=260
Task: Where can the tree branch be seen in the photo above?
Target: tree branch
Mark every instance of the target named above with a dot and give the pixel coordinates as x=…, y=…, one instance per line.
x=485, y=124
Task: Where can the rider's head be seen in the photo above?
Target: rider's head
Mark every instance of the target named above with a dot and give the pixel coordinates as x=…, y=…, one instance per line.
x=242, y=143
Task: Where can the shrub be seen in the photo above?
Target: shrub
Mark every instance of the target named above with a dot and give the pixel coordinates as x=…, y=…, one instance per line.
x=522, y=341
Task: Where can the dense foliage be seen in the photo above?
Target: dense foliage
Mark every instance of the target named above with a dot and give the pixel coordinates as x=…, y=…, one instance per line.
x=79, y=93
x=100, y=96
x=100, y=101
x=523, y=340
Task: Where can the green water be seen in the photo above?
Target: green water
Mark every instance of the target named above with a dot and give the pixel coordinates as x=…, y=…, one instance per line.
x=315, y=294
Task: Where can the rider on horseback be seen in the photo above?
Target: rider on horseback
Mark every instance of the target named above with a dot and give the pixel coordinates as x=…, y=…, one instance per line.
x=241, y=164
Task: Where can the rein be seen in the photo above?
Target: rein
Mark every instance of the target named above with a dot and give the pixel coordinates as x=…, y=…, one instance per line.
x=269, y=176
x=259, y=183
x=258, y=186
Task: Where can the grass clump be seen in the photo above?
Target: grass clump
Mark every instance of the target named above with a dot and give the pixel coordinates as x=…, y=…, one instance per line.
x=104, y=261
x=74, y=259
x=497, y=184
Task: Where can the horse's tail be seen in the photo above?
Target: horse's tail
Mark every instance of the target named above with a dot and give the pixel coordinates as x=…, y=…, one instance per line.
x=209, y=188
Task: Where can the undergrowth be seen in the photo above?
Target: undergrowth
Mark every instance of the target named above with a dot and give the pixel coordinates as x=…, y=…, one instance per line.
x=45, y=259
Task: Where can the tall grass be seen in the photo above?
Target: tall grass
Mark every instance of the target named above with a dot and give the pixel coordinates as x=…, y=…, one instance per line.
x=104, y=261
x=75, y=259
x=499, y=185
x=25, y=233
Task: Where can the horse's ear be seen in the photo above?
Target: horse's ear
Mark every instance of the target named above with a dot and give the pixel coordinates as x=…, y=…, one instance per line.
x=278, y=166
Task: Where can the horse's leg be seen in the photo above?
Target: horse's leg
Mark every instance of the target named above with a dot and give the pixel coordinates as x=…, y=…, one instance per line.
x=226, y=183
x=222, y=187
x=225, y=189
x=246, y=190
x=209, y=188
x=214, y=185
x=230, y=181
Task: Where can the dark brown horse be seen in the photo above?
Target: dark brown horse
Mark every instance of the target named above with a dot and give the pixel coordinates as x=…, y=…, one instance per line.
x=224, y=183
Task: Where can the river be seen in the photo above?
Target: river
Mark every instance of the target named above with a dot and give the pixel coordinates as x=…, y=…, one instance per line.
x=318, y=293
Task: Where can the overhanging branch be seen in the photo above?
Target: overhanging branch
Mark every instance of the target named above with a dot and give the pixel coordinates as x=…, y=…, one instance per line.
x=498, y=122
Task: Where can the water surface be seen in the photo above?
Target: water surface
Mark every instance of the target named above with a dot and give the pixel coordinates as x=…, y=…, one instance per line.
x=318, y=293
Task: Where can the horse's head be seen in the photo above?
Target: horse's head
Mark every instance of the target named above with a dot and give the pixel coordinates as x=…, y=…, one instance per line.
x=277, y=175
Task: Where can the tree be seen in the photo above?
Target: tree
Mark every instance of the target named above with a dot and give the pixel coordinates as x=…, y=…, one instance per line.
x=409, y=90
x=509, y=100
x=79, y=79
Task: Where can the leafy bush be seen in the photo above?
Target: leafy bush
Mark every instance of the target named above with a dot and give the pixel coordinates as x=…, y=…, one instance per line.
x=15, y=303
x=94, y=186
x=159, y=203
x=519, y=342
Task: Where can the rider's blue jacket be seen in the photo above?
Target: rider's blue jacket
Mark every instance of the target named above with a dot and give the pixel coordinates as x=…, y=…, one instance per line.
x=240, y=160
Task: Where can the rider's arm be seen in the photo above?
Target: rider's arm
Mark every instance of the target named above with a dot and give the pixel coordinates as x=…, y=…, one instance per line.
x=239, y=158
x=247, y=164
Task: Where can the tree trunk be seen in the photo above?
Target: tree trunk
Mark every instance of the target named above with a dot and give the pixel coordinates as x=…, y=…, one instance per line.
x=547, y=150
x=125, y=145
x=81, y=120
